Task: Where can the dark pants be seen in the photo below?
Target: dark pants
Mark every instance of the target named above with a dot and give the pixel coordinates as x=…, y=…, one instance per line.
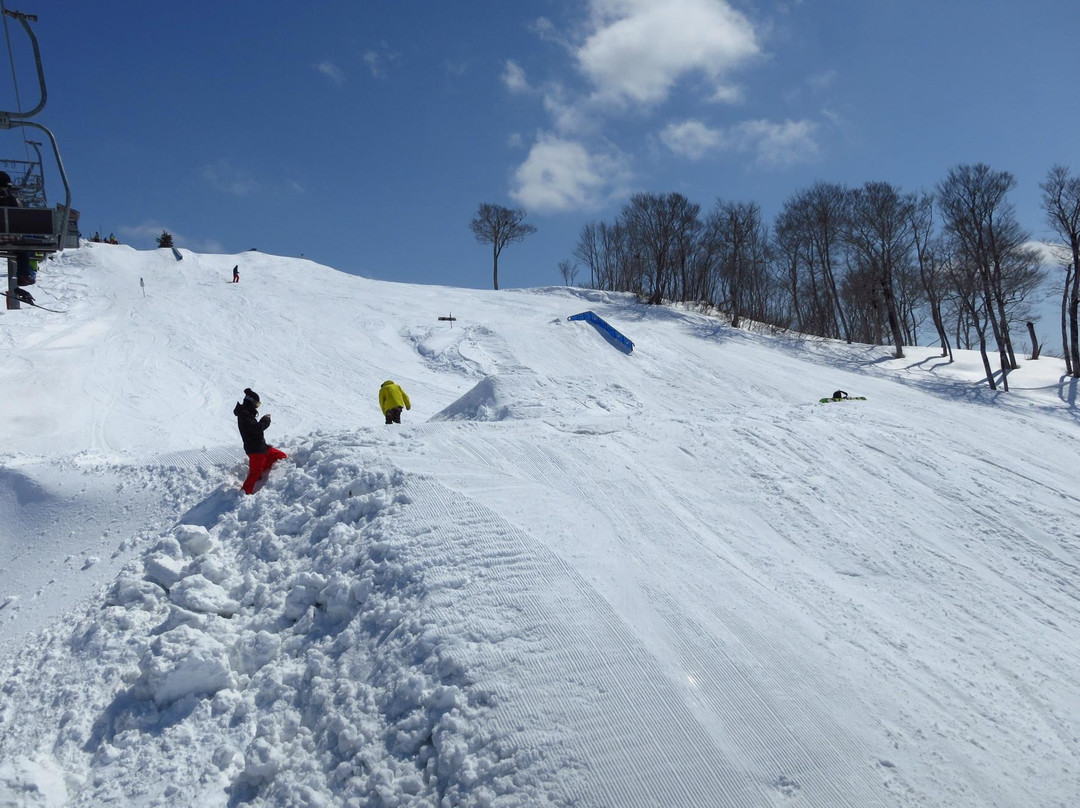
x=26, y=274
x=393, y=415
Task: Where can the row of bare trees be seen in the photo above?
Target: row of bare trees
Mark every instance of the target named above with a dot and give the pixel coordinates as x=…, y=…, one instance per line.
x=869, y=264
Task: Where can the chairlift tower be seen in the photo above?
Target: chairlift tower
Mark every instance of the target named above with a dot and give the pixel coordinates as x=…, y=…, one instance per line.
x=33, y=229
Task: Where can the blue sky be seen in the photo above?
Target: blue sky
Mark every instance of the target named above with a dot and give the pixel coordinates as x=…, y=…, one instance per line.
x=319, y=128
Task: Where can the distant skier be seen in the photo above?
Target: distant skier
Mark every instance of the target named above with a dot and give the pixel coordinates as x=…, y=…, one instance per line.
x=839, y=394
x=261, y=456
x=392, y=398
x=236, y=274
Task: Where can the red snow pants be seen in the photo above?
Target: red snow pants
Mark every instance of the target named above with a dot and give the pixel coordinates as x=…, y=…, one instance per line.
x=259, y=463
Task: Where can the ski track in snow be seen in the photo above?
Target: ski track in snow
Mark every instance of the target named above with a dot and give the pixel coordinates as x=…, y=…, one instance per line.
x=720, y=674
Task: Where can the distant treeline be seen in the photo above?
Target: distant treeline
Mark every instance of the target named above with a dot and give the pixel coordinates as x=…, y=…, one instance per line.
x=870, y=264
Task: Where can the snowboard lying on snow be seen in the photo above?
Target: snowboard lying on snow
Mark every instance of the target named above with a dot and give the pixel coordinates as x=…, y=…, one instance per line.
x=32, y=303
x=848, y=398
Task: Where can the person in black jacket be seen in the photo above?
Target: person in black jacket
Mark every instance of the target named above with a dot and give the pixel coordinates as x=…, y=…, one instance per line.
x=261, y=455
x=9, y=198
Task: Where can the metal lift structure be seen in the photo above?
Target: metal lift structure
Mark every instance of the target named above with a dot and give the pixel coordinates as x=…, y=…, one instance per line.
x=33, y=230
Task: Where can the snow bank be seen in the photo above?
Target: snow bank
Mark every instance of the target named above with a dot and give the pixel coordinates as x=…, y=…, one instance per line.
x=287, y=650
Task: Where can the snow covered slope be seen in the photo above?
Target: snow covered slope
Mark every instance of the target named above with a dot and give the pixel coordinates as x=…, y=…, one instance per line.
x=572, y=576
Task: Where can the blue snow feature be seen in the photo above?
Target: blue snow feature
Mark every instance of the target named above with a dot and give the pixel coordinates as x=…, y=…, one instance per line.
x=605, y=328
x=177, y=255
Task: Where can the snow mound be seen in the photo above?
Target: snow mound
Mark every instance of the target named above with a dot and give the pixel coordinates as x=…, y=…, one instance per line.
x=20, y=489
x=287, y=651
x=513, y=395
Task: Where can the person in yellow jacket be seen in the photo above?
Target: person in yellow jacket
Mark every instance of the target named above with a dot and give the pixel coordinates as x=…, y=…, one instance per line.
x=392, y=398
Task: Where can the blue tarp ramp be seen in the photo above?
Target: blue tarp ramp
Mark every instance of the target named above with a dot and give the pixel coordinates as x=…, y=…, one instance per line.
x=604, y=327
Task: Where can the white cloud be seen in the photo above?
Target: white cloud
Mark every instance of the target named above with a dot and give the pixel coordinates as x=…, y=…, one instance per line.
x=639, y=49
x=562, y=175
x=772, y=144
x=331, y=71
x=691, y=139
x=514, y=77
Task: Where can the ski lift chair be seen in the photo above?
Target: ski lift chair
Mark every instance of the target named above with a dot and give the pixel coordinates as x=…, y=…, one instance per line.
x=27, y=232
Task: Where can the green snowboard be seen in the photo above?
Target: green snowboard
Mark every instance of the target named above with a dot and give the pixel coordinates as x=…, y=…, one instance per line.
x=849, y=398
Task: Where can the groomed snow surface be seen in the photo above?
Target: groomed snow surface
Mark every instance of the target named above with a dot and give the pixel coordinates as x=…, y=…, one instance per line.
x=572, y=576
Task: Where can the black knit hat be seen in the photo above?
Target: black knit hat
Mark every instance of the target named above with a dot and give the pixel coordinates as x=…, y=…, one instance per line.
x=251, y=395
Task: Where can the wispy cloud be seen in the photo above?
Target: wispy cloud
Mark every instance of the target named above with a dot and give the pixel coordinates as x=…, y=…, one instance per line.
x=224, y=177
x=771, y=144
x=821, y=81
x=331, y=71
x=569, y=115
x=456, y=67
x=379, y=59
x=146, y=234
x=561, y=174
x=691, y=139
x=1051, y=253
x=147, y=231
x=514, y=77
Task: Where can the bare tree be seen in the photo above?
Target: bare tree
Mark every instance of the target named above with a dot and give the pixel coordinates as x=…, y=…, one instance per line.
x=828, y=209
x=657, y=224
x=1061, y=201
x=789, y=247
x=922, y=226
x=972, y=311
x=808, y=232
x=604, y=250
x=499, y=226
x=879, y=232
x=589, y=251
x=982, y=224
x=691, y=263
x=741, y=238
x=569, y=270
